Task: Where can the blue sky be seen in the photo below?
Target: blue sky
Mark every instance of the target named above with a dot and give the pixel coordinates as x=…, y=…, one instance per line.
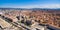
x=30, y=3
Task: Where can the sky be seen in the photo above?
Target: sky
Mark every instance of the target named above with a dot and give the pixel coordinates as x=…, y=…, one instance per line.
x=29, y=3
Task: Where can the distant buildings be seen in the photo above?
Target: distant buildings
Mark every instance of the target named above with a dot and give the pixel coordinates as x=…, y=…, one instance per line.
x=51, y=18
